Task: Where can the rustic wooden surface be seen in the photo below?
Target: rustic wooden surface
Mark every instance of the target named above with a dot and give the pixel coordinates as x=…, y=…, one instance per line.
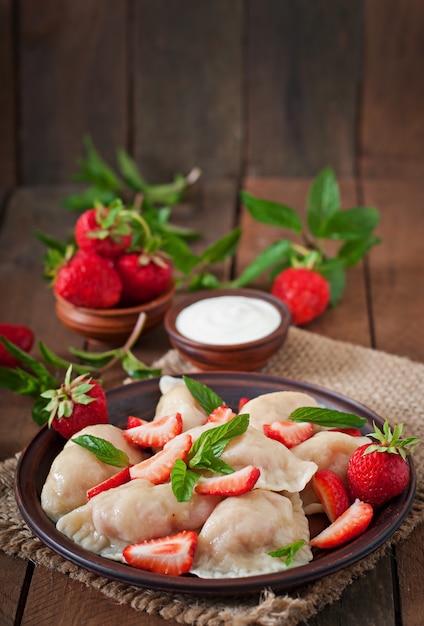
x=382, y=308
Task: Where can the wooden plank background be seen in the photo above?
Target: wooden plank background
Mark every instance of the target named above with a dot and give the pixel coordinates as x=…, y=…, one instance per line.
x=247, y=87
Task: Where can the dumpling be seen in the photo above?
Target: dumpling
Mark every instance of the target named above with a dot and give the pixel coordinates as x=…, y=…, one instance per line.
x=176, y=398
x=276, y=406
x=236, y=538
x=75, y=470
x=280, y=469
x=133, y=512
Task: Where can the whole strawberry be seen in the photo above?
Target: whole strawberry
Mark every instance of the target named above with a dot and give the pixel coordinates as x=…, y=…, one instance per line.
x=377, y=472
x=304, y=291
x=104, y=230
x=88, y=280
x=76, y=404
x=143, y=276
x=21, y=336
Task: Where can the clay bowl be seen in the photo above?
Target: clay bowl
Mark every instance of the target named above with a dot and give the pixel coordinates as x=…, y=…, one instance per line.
x=219, y=353
x=112, y=326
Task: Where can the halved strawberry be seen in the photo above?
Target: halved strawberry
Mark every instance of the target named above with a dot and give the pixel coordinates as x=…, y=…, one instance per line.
x=289, y=433
x=172, y=555
x=353, y=432
x=118, y=479
x=352, y=523
x=157, y=469
x=241, y=403
x=133, y=421
x=221, y=414
x=331, y=492
x=233, y=484
x=157, y=433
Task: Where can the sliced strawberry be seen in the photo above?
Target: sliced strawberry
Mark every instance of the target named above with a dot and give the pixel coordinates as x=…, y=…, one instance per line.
x=241, y=403
x=133, y=421
x=221, y=414
x=157, y=469
x=157, y=433
x=352, y=523
x=331, y=492
x=289, y=433
x=172, y=555
x=118, y=479
x=353, y=432
x=230, y=484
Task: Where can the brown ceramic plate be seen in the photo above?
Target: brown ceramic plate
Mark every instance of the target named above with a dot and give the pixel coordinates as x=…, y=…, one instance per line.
x=140, y=399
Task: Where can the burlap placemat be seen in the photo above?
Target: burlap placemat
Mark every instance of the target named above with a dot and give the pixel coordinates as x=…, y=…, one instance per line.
x=390, y=385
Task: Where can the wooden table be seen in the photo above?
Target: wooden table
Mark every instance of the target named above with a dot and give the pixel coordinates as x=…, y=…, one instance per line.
x=381, y=308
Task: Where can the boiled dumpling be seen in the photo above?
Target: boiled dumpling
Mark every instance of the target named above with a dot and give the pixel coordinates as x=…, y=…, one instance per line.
x=176, y=398
x=276, y=406
x=133, y=512
x=236, y=538
x=75, y=470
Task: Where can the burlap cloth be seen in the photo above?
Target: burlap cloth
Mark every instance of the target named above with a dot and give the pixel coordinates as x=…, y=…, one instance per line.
x=390, y=385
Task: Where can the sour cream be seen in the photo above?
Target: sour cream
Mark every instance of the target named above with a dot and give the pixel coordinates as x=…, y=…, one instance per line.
x=226, y=320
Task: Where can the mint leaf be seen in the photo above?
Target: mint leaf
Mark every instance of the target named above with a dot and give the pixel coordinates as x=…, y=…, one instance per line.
x=268, y=258
x=19, y=381
x=103, y=450
x=46, y=380
x=334, y=272
x=182, y=481
x=183, y=258
x=129, y=170
x=288, y=551
x=223, y=248
x=51, y=358
x=351, y=224
x=272, y=213
x=207, y=398
x=136, y=369
x=323, y=201
x=351, y=252
x=204, y=280
x=217, y=438
x=327, y=417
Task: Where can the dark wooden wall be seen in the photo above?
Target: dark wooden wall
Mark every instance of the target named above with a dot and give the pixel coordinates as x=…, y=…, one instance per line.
x=237, y=87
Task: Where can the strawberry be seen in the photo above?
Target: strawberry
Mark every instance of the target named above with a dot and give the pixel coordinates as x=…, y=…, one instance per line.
x=157, y=433
x=241, y=403
x=304, y=291
x=289, y=433
x=104, y=230
x=157, y=469
x=133, y=421
x=221, y=414
x=76, y=404
x=331, y=492
x=377, y=472
x=21, y=336
x=352, y=523
x=234, y=484
x=118, y=479
x=353, y=432
x=172, y=555
x=144, y=277
x=88, y=280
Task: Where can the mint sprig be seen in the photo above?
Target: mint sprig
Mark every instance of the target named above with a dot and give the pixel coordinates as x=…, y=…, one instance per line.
x=289, y=551
x=327, y=417
x=204, y=396
x=103, y=450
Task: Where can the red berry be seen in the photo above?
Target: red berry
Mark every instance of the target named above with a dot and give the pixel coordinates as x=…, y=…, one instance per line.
x=304, y=291
x=289, y=433
x=331, y=492
x=234, y=484
x=156, y=433
x=76, y=404
x=21, y=336
x=157, y=468
x=172, y=555
x=352, y=523
x=143, y=277
x=104, y=231
x=89, y=280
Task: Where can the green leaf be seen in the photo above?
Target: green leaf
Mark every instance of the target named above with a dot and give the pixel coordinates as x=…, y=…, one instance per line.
x=51, y=242
x=39, y=413
x=103, y=450
x=86, y=199
x=137, y=369
x=351, y=224
x=46, y=380
x=51, y=358
x=276, y=253
x=182, y=481
x=288, y=551
x=323, y=201
x=205, y=397
x=19, y=381
x=353, y=251
x=204, y=280
x=217, y=438
x=272, y=213
x=334, y=272
x=183, y=258
x=327, y=417
x=168, y=193
x=223, y=248
x=95, y=359
x=129, y=171
x=93, y=169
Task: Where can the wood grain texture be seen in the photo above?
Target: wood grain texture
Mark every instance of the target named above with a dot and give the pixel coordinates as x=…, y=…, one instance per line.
x=302, y=81
x=188, y=80
x=392, y=128
x=12, y=576
x=73, y=81
x=8, y=105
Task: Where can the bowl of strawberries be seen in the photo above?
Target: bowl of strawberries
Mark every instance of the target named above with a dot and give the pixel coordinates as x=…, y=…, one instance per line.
x=106, y=278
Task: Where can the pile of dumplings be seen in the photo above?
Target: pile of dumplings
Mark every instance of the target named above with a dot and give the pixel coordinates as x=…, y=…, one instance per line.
x=235, y=533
